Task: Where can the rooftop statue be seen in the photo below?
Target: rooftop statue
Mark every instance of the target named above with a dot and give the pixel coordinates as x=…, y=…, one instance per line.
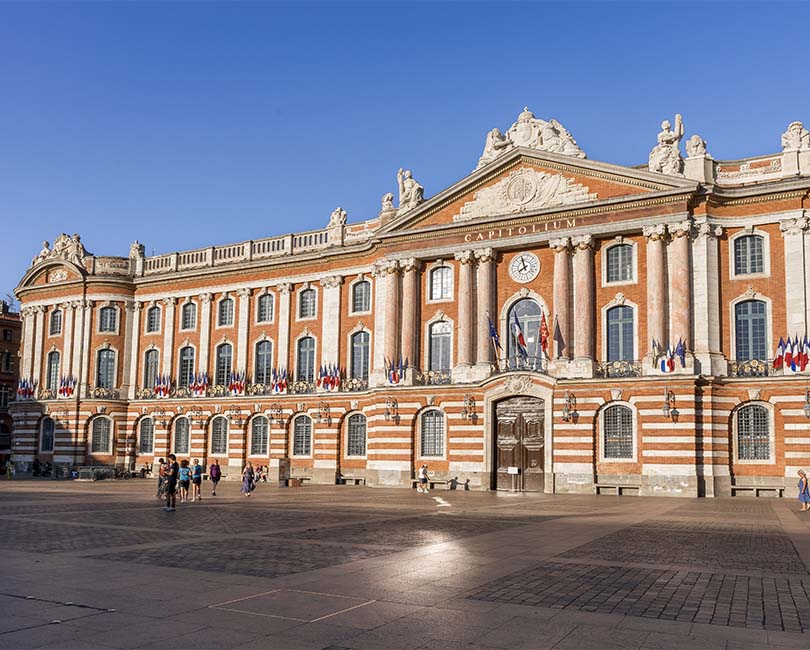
x=796, y=138
x=66, y=247
x=411, y=193
x=695, y=146
x=338, y=217
x=533, y=133
x=665, y=157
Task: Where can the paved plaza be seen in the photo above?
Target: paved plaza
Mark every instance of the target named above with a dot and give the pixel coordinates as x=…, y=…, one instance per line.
x=101, y=565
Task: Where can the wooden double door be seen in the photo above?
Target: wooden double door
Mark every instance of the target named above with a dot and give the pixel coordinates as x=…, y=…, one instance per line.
x=520, y=444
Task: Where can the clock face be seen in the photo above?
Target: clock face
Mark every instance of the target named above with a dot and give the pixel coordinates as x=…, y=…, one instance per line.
x=524, y=267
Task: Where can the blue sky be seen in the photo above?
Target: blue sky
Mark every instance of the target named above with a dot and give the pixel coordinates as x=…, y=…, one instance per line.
x=191, y=124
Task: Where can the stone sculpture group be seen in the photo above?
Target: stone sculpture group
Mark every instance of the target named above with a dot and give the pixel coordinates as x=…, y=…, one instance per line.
x=65, y=247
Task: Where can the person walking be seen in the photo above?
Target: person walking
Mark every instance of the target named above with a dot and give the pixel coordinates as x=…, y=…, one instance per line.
x=424, y=476
x=248, y=478
x=161, y=477
x=184, y=480
x=196, y=480
x=215, y=474
x=10, y=471
x=172, y=473
x=804, y=491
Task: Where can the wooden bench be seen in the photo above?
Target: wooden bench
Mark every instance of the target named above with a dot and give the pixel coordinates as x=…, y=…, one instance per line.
x=432, y=483
x=356, y=480
x=618, y=489
x=758, y=490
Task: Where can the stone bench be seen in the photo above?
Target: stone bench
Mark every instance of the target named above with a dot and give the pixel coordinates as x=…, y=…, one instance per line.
x=751, y=490
x=432, y=483
x=356, y=480
x=617, y=489
x=297, y=481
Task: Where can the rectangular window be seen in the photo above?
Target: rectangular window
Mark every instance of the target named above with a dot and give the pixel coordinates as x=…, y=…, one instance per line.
x=307, y=304
x=265, y=308
x=225, y=316
x=181, y=436
x=219, y=436
x=102, y=433
x=150, y=368
x=356, y=442
x=361, y=297
x=147, y=440
x=48, y=429
x=441, y=283
x=432, y=438
x=189, y=320
x=105, y=375
x=259, y=437
x=108, y=319
x=617, y=422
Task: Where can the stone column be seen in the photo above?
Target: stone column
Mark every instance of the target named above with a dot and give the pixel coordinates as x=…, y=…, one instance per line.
x=330, y=332
x=79, y=352
x=39, y=324
x=168, y=335
x=377, y=377
x=706, y=285
x=87, y=354
x=205, y=333
x=796, y=279
x=583, y=303
x=27, y=342
x=129, y=361
x=561, y=297
x=409, y=343
x=392, y=309
x=67, y=329
x=656, y=288
x=464, y=354
x=242, y=329
x=487, y=309
x=284, y=295
x=680, y=284
x=134, y=348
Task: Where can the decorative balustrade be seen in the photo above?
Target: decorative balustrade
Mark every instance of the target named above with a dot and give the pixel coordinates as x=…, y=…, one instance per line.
x=354, y=384
x=45, y=393
x=432, y=377
x=753, y=368
x=104, y=393
x=522, y=364
x=302, y=387
x=611, y=369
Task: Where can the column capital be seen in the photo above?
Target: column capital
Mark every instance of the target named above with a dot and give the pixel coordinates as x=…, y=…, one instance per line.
x=137, y=305
x=410, y=264
x=206, y=298
x=332, y=282
x=87, y=305
x=707, y=230
x=39, y=309
x=465, y=257
x=385, y=267
x=656, y=232
x=285, y=288
x=170, y=301
x=27, y=311
x=66, y=306
x=793, y=226
x=244, y=292
x=560, y=244
x=484, y=255
x=582, y=242
x=680, y=229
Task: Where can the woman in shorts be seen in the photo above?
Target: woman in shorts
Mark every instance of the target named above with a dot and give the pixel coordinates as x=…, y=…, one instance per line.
x=184, y=480
x=196, y=480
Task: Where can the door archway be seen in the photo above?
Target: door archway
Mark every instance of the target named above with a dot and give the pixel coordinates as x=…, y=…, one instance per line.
x=519, y=440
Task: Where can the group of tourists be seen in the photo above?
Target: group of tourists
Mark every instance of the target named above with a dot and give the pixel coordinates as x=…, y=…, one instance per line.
x=174, y=477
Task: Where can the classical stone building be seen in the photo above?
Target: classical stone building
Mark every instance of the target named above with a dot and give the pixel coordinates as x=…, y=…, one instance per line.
x=547, y=323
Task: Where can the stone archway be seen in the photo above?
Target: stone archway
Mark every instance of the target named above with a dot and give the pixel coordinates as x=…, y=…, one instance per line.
x=519, y=444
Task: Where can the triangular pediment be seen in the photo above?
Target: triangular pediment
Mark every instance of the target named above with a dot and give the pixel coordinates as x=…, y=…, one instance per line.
x=526, y=182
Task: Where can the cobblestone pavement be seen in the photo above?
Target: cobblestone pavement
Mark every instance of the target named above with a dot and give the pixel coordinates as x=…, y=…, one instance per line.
x=101, y=565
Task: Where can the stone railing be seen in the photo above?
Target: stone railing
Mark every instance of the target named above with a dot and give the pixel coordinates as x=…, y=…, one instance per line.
x=432, y=378
x=519, y=364
x=753, y=368
x=610, y=369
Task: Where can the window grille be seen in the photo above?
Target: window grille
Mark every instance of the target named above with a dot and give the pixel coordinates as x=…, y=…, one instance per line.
x=441, y=283
x=56, y=322
x=264, y=362
x=46, y=440
x=748, y=257
x=753, y=433
x=356, y=439
x=750, y=324
x=146, y=443
x=153, y=319
x=432, y=438
x=620, y=263
x=302, y=436
x=361, y=296
x=307, y=304
x=186, y=375
x=265, y=308
x=105, y=375
x=617, y=431
x=219, y=436
x=181, y=435
x=225, y=313
x=259, y=436
x=224, y=358
x=52, y=376
x=108, y=319
x=189, y=316
x=305, y=368
x=150, y=368
x=360, y=355
x=102, y=436
x=440, y=342
x=620, y=334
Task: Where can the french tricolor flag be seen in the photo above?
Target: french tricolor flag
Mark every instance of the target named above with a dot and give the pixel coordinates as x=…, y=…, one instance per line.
x=517, y=332
x=779, y=359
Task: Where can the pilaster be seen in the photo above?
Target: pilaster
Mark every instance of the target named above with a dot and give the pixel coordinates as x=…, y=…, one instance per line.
x=242, y=330
x=284, y=296
x=39, y=324
x=129, y=360
x=584, y=311
x=706, y=299
x=485, y=285
x=330, y=324
x=656, y=290
x=409, y=342
x=87, y=355
x=680, y=290
x=205, y=331
x=168, y=335
x=796, y=250
x=464, y=353
x=67, y=328
x=134, y=343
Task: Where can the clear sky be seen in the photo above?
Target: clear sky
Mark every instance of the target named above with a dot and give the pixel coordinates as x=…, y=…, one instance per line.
x=192, y=124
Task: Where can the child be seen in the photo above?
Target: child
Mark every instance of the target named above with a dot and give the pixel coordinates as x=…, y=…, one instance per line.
x=184, y=477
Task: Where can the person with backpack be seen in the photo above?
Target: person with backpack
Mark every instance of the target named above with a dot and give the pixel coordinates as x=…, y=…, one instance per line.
x=196, y=480
x=172, y=472
x=184, y=477
x=215, y=474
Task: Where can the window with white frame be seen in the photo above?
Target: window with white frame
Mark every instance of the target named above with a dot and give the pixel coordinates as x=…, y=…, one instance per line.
x=182, y=434
x=56, y=322
x=753, y=433
x=361, y=296
x=101, y=438
x=264, y=308
x=224, y=358
x=264, y=363
x=7, y=361
x=225, y=312
x=356, y=435
x=146, y=440
x=617, y=433
x=259, y=436
x=188, y=316
x=186, y=375
x=105, y=369
x=748, y=255
x=307, y=304
x=441, y=283
x=219, y=435
x=107, y=319
x=151, y=359
x=305, y=366
x=52, y=374
x=302, y=436
x=5, y=393
x=751, y=325
x=360, y=343
x=431, y=441
x=153, y=319
x=439, y=342
x=620, y=263
x=620, y=322
x=46, y=437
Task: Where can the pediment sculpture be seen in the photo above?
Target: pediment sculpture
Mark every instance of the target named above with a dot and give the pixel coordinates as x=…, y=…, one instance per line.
x=524, y=190
x=665, y=158
x=65, y=247
x=411, y=193
x=533, y=133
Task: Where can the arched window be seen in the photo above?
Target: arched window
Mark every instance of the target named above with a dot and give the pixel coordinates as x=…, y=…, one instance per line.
x=753, y=433
x=264, y=362
x=219, y=435
x=225, y=312
x=748, y=257
x=189, y=316
x=186, y=375
x=5, y=392
x=305, y=367
x=52, y=374
x=56, y=322
x=361, y=296
x=47, y=435
x=146, y=441
x=620, y=334
x=302, y=436
x=620, y=263
x=182, y=434
x=153, y=319
x=441, y=283
x=360, y=355
x=431, y=440
x=527, y=313
x=617, y=433
x=105, y=369
x=265, y=308
x=150, y=368
x=750, y=324
x=259, y=436
x=101, y=439
x=440, y=340
x=356, y=435
x=223, y=364
x=307, y=304
x=107, y=319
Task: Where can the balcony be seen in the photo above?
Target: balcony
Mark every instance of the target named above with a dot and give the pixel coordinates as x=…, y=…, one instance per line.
x=432, y=378
x=753, y=368
x=617, y=369
x=104, y=393
x=520, y=364
x=302, y=387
